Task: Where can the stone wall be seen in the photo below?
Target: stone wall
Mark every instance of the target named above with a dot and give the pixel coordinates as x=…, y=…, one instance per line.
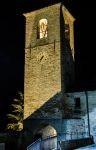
x=42, y=78
x=73, y=144
x=82, y=112
x=69, y=19
x=48, y=62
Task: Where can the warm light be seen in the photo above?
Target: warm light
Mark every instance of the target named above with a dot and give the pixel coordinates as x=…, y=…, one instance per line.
x=43, y=28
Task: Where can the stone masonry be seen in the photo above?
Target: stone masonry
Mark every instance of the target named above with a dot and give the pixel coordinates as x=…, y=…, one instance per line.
x=49, y=64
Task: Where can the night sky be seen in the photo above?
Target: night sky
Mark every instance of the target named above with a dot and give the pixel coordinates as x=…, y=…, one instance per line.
x=12, y=45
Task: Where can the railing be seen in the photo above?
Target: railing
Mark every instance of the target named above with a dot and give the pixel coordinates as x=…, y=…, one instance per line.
x=44, y=144
x=35, y=145
x=51, y=141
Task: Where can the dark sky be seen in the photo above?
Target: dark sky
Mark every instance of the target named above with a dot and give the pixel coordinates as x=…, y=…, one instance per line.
x=12, y=44
x=12, y=40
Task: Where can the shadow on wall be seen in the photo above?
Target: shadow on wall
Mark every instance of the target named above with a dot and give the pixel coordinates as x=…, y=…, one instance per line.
x=51, y=113
x=67, y=61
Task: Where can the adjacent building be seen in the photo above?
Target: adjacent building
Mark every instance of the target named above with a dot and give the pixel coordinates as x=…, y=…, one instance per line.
x=49, y=109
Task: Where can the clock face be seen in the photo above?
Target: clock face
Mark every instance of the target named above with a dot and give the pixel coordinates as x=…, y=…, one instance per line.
x=42, y=57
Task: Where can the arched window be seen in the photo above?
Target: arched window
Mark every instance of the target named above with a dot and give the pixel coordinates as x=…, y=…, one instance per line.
x=42, y=29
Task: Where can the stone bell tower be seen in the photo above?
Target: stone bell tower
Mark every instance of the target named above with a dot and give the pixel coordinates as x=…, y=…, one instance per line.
x=49, y=56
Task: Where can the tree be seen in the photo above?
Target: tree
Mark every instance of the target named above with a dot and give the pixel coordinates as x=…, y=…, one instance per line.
x=16, y=116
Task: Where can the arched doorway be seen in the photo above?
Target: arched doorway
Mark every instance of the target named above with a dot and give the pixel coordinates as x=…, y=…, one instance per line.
x=48, y=136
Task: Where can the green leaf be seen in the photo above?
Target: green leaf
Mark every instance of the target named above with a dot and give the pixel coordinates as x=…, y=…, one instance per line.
x=16, y=116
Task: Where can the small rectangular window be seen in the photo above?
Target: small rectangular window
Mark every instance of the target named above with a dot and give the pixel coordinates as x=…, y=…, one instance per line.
x=42, y=29
x=77, y=102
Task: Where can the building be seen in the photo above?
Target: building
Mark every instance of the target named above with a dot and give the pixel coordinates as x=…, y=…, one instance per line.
x=49, y=72
x=82, y=105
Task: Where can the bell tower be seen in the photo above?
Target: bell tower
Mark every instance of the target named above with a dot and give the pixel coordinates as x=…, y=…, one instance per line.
x=49, y=56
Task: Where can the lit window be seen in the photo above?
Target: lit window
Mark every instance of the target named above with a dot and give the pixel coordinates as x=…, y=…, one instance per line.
x=42, y=28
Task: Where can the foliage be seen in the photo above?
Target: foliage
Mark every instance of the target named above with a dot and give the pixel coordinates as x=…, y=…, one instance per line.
x=16, y=116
